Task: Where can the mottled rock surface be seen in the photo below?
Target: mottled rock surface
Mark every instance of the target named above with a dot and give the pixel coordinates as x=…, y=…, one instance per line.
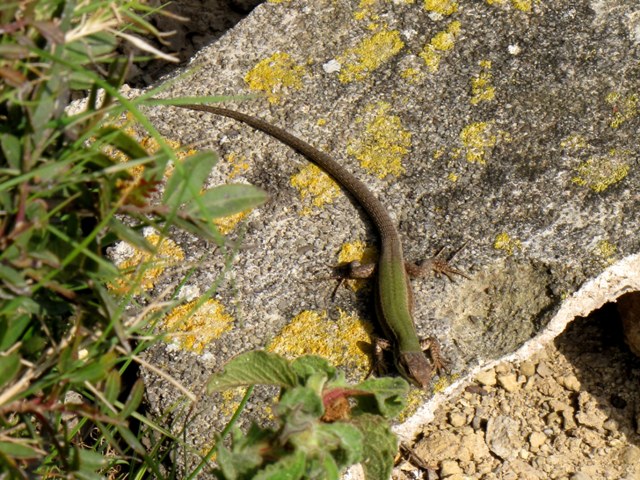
x=509, y=126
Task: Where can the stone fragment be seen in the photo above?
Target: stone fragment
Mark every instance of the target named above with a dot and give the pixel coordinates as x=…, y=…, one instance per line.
x=570, y=382
x=457, y=419
x=528, y=369
x=504, y=437
x=487, y=378
x=449, y=467
x=537, y=439
x=509, y=382
x=589, y=415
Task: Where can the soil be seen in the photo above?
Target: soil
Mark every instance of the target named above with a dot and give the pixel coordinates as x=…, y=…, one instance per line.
x=572, y=412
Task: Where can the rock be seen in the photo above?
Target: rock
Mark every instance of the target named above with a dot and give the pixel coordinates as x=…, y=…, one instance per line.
x=457, y=419
x=570, y=382
x=487, y=378
x=537, y=439
x=449, y=468
x=509, y=382
x=629, y=310
x=528, y=369
x=504, y=437
x=588, y=413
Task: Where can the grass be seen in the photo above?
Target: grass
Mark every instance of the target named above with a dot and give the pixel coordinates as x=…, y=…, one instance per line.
x=70, y=403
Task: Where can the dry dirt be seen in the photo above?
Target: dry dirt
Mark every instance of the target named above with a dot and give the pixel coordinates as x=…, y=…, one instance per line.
x=572, y=412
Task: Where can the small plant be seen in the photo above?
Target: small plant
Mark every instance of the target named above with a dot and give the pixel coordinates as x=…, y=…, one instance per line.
x=324, y=423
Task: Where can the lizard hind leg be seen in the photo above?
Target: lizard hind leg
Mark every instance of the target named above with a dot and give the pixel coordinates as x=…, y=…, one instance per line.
x=432, y=345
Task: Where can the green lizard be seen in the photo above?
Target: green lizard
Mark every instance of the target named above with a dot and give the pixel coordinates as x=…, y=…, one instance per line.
x=394, y=297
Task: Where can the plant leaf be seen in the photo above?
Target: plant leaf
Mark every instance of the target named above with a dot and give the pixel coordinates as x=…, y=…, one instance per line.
x=18, y=450
x=9, y=367
x=188, y=178
x=379, y=449
x=343, y=440
x=288, y=467
x=134, y=399
x=388, y=396
x=252, y=368
x=226, y=200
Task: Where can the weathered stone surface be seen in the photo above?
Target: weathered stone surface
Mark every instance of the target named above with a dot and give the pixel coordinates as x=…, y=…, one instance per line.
x=509, y=125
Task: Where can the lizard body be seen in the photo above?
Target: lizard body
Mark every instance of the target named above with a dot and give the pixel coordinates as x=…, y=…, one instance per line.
x=394, y=297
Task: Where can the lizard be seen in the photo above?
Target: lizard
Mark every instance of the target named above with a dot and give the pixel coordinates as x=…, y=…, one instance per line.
x=393, y=292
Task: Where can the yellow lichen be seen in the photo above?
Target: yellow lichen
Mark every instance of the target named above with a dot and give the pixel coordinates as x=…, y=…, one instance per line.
x=359, y=62
x=383, y=144
x=274, y=75
x=574, y=142
x=507, y=244
x=312, y=333
x=365, y=10
x=357, y=252
x=606, y=251
x=230, y=400
x=624, y=107
x=413, y=75
x=599, y=173
x=481, y=88
x=440, y=43
x=239, y=165
x=443, y=7
x=193, y=326
x=128, y=126
x=523, y=5
x=453, y=177
x=227, y=224
x=478, y=140
x=141, y=269
x=312, y=182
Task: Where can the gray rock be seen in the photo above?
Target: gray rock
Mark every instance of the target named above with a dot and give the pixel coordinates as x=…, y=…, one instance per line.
x=512, y=129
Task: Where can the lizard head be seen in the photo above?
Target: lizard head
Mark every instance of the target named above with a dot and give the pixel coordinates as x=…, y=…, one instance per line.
x=415, y=367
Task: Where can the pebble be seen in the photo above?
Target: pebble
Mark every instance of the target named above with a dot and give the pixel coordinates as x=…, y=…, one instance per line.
x=537, y=439
x=570, y=382
x=503, y=437
x=528, y=369
x=457, y=419
x=631, y=455
x=449, y=467
x=509, y=382
x=487, y=378
x=543, y=370
x=580, y=476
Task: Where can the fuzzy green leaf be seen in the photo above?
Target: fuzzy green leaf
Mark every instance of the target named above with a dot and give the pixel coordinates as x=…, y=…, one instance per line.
x=388, y=396
x=243, y=461
x=311, y=364
x=226, y=200
x=288, y=467
x=91, y=461
x=379, y=449
x=253, y=368
x=343, y=440
x=302, y=402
